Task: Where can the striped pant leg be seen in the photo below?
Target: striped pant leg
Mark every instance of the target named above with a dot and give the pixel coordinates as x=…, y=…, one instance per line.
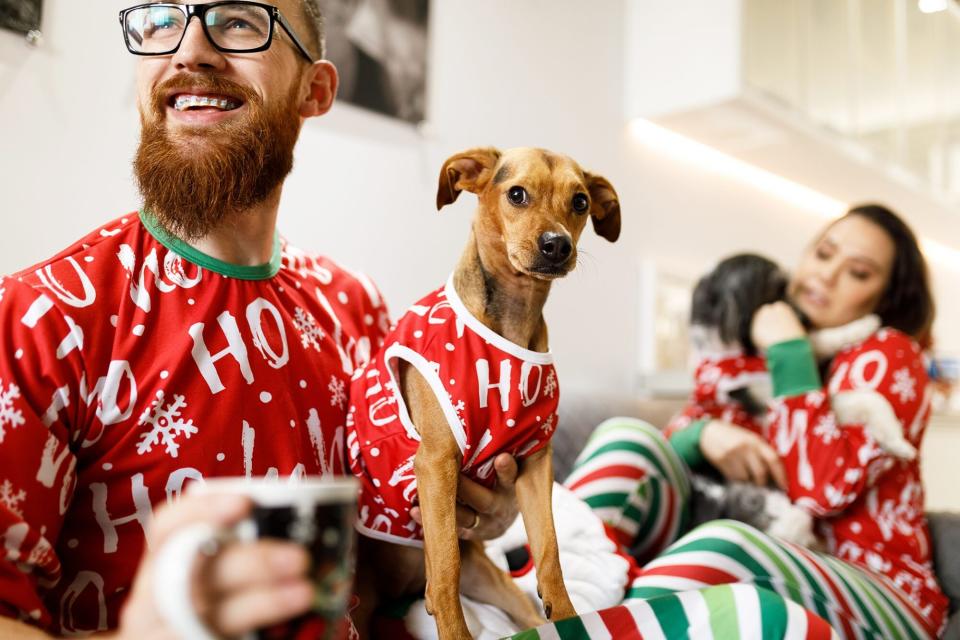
x=634, y=481
x=722, y=612
x=855, y=603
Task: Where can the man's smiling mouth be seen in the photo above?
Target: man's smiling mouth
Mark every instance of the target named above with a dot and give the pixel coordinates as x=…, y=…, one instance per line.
x=193, y=102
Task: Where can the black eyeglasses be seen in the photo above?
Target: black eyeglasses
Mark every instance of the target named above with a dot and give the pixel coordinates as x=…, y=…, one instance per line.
x=231, y=27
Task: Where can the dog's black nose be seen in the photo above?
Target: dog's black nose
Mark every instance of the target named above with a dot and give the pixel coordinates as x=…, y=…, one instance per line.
x=555, y=247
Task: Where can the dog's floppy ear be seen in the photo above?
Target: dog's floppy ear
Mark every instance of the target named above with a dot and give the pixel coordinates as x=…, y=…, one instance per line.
x=604, y=207
x=468, y=170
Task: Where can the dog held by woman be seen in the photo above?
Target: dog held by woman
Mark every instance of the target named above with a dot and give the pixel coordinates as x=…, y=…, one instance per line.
x=732, y=384
x=466, y=374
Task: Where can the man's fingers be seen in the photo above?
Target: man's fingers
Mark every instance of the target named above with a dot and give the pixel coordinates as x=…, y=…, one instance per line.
x=245, y=565
x=506, y=468
x=466, y=517
x=416, y=515
x=261, y=607
x=474, y=495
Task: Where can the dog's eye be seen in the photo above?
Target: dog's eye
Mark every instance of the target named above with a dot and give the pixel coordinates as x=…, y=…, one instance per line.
x=517, y=195
x=580, y=202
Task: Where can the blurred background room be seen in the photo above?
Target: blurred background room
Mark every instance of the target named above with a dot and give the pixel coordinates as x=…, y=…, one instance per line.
x=725, y=126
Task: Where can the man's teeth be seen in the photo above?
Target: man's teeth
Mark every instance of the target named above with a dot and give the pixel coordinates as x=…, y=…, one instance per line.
x=182, y=103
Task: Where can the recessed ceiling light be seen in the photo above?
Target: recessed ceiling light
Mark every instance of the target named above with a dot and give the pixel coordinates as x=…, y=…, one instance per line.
x=932, y=6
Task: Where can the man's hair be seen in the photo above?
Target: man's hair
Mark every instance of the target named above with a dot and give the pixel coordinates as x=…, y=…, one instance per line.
x=313, y=18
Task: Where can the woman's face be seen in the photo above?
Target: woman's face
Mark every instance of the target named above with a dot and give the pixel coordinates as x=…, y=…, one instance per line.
x=842, y=275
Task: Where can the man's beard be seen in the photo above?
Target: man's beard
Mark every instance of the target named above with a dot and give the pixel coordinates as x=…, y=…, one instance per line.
x=195, y=178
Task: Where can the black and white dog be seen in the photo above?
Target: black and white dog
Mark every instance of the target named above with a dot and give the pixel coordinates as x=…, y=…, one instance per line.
x=724, y=303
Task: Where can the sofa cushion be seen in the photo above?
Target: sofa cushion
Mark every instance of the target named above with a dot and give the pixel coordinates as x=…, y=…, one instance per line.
x=580, y=413
x=945, y=531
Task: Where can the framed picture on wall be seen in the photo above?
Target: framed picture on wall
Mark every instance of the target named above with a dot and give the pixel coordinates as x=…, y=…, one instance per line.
x=22, y=16
x=664, y=337
x=380, y=50
x=944, y=371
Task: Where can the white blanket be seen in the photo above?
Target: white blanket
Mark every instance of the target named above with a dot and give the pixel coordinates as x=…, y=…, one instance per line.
x=595, y=575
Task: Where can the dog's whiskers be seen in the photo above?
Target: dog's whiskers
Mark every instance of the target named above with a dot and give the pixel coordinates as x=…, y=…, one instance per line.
x=582, y=261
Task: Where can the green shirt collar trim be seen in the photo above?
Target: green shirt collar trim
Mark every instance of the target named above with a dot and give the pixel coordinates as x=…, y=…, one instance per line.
x=241, y=272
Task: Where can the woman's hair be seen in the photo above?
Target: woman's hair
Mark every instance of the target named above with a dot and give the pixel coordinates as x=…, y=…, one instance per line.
x=907, y=303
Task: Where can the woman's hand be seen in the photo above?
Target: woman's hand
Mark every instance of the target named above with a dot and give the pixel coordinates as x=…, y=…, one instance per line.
x=773, y=323
x=482, y=513
x=741, y=455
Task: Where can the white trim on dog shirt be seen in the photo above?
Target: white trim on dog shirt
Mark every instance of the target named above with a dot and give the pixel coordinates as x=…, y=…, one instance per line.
x=488, y=334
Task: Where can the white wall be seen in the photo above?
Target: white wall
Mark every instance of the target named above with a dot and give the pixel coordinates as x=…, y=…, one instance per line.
x=538, y=72
x=700, y=39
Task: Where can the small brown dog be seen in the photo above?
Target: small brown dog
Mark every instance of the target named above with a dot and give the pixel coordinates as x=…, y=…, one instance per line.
x=427, y=409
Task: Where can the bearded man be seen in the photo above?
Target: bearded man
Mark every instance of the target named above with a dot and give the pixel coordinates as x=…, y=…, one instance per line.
x=183, y=341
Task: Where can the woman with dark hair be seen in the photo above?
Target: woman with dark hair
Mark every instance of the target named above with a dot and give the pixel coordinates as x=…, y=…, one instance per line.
x=875, y=578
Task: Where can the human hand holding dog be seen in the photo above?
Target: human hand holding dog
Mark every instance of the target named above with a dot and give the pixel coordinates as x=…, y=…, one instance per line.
x=773, y=323
x=492, y=511
x=741, y=455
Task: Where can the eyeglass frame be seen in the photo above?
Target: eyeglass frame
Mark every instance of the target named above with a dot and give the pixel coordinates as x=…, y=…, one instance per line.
x=200, y=11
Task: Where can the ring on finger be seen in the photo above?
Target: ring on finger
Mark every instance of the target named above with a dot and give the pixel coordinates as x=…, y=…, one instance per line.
x=476, y=520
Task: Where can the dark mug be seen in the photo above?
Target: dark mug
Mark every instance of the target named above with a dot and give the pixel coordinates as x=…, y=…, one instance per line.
x=317, y=513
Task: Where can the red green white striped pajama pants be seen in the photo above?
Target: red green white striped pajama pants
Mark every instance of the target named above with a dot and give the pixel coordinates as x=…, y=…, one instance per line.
x=724, y=579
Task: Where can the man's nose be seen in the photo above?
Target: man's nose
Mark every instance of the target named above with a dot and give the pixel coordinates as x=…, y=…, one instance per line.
x=196, y=51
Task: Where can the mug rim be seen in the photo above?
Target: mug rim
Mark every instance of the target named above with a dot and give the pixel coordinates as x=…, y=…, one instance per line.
x=272, y=492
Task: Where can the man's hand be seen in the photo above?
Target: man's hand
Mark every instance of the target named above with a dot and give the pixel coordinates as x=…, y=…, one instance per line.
x=741, y=455
x=484, y=514
x=242, y=588
x=773, y=323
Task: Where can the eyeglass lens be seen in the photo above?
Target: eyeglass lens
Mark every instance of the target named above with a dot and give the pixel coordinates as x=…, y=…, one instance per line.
x=159, y=29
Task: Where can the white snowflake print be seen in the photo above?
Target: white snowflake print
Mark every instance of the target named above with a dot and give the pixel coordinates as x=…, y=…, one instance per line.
x=166, y=425
x=909, y=584
x=11, y=500
x=338, y=392
x=2, y=291
x=310, y=333
x=826, y=429
x=710, y=374
x=904, y=385
x=547, y=426
x=550, y=386
x=42, y=553
x=459, y=406
x=10, y=416
x=815, y=399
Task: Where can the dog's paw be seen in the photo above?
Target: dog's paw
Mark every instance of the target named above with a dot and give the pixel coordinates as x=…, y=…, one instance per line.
x=899, y=448
x=876, y=414
x=793, y=525
x=561, y=611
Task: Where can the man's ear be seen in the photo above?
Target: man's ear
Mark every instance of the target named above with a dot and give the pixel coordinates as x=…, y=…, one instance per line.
x=468, y=170
x=604, y=207
x=322, y=81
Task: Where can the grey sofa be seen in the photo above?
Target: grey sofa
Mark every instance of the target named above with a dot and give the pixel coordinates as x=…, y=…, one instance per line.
x=580, y=413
